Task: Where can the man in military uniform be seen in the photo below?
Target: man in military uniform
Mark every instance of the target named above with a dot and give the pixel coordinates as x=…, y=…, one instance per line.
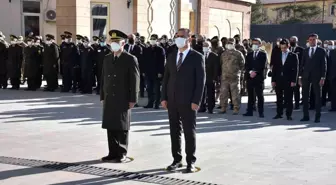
x=232, y=66
x=86, y=66
x=142, y=64
x=224, y=42
x=39, y=44
x=95, y=45
x=50, y=63
x=14, y=62
x=70, y=55
x=3, y=59
x=77, y=68
x=31, y=65
x=240, y=47
x=164, y=43
x=102, y=51
x=155, y=62
x=119, y=93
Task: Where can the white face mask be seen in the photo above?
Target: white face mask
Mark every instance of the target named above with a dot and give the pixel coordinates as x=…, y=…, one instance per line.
x=278, y=43
x=102, y=44
x=67, y=40
x=48, y=42
x=330, y=47
x=180, y=42
x=115, y=46
x=205, y=49
x=325, y=45
x=308, y=45
x=79, y=42
x=29, y=43
x=163, y=41
x=13, y=42
x=152, y=42
x=255, y=47
x=229, y=46
x=85, y=44
x=37, y=43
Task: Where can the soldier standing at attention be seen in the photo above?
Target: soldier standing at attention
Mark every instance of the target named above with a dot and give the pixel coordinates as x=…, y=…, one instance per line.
x=3, y=59
x=40, y=48
x=31, y=65
x=86, y=66
x=232, y=66
x=102, y=51
x=14, y=62
x=119, y=93
x=50, y=63
x=95, y=46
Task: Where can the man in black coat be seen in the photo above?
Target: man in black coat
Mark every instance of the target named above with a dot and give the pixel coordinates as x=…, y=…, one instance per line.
x=332, y=77
x=298, y=50
x=284, y=79
x=14, y=63
x=70, y=61
x=87, y=55
x=142, y=63
x=212, y=65
x=95, y=46
x=155, y=62
x=102, y=51
x=50, y=63
x=255, y=67
x=182, y=90
x=164, y=43
x=312, y=73
x=119, y=93
x=31, y=68
x=3, y=61
x=40, y=47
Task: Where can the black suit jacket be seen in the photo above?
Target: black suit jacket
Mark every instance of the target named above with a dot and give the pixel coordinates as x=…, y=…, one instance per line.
x=287, y=71
x=275, y=55
x=314, y=67
x=212, y=67
x=332, y=65
x=185, y=86
x=155, y=61
x=299, y=51
x=138, y=53
x=259, y=65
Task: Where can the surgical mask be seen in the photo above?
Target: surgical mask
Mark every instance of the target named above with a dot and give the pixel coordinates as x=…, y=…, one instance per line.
x=102, y=44
x=85, y=44
x=29, y=43
x=170, y=42
x=255, y=47
x=152, y=42
x=67, y=40
x=95, y=42
x=79, y=42
x=330, y=47
x=229, y=46
x=37, y=43
x=48, y=42
x=163, y=41
x=19, y=42
x=205, y=49
x=278, y=43
x=308, y=45
x=180, y=42
x=13, y=42
x=325, y=45
x=1, y=38
x=115, y=46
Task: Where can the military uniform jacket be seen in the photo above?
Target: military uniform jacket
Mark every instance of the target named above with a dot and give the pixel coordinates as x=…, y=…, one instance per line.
x=70, y=55
x=3, y=58
x=232, y=65
x=155, y=61
x=14, y=62
x=50, y=59
x=86, y=60
x=119, y=86
x=31, y=61
x=102, y=51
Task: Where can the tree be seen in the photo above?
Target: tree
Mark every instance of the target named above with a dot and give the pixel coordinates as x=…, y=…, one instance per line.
x=257, y=15
x=298, y=13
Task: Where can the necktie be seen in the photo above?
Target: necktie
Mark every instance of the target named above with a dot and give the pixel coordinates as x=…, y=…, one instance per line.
x=255, y=55
x=115, y=58
x=312, y=52
x=179, y=63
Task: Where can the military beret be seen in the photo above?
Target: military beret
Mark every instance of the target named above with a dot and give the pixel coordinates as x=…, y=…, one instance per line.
x=79, y=37
x=67, y=33
x=49, y=36
x=215, y=38
x=257, y=39
x=86, y=39
x=12, y=37
x=154, y=36
x=95, y=38
x=231, y=40
x=116, y=34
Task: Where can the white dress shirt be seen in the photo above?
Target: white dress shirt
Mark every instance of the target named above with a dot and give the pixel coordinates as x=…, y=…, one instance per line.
x=185, y=53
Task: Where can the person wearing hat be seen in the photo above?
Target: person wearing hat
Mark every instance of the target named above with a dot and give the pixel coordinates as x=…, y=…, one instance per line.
x=102, y=50
x=39, y=44
x=215, y=47
x=70, y=62
x=155, y=61
x=31, y=65
x=255, y=67
x=239, y=46
x=87, y=56
x=119, y=93
x=95, y=45
x=50, y=63
x=14, y=62
x=3, y=60
x=212, y=73
x=140, y=41
x=164, y=43
x=232, y=66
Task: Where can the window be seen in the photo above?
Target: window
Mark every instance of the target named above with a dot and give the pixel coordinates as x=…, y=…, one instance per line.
x=100, y=19
x=31, y=16
x=332, y=9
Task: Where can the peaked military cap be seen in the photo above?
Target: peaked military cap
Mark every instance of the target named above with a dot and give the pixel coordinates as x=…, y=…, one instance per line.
x=237, y=36
x=231, y=40
x=62, y=36
x=85, y=39
x=38, y=37
x=215, y=38
x=137, y=34
x=29, y=38
x=154, y=36
x=79, y=37
x=193, y=36
x=95, y=38
x=12, y=37
x=67, y=33
x=116, y=34
x=50, y=36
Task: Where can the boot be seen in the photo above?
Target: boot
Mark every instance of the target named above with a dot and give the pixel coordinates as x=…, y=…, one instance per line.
x=223, y=110
x=235, y=110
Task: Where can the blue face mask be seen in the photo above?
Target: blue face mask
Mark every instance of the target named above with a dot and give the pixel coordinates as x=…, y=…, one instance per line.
x=103, y=44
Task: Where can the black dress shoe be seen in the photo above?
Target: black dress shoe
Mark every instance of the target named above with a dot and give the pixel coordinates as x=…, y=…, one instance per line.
x=210, y=111
x=305, y=119
x=108, y=158
x=277, y=117
x=201, y=110
x=248, y=114
x=297, y=107
x=261, y=115
x=317, y=120
x=219, y=107
x=289, y=118
x=332, y=110
x=136, y=105
x=190, y=168
x=174, y=166
x=148, y=106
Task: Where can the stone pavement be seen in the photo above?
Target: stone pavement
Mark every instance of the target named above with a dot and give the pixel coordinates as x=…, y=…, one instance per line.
x=231, y=150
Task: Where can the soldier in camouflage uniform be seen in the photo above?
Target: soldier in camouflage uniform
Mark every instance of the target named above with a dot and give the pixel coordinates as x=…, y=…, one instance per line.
x=232, y=65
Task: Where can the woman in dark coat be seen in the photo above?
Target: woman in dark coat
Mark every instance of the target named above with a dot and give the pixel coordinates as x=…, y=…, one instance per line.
x=119, y=93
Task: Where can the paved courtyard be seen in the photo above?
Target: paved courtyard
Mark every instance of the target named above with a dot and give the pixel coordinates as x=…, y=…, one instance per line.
x=231, y=150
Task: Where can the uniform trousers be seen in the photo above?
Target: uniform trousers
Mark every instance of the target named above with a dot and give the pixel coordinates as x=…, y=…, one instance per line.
x=142, y=86
x=284, y=94
x=333, y=93
x=208, y=99
x=52, y=81
x=32, y=83
x=3, y=81
x=230, y=90
x=255, y=88
x=117, y=143
x=182, y=116
x=86, y=82
x=15, y=82
x=154, y=90
x=69, y=78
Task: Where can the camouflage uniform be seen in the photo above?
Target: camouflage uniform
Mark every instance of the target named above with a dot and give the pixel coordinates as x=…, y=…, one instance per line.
x=232, y=65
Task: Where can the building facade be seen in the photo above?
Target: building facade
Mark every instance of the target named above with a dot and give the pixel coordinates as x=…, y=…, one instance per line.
x=223, y=18
x=274, y=17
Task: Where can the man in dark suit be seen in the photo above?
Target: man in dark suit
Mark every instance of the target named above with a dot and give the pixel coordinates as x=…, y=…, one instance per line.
x=312, y=73
x=332, y=75
x=212, y=66
x=182, y=90
x=284, y=78
x=142, y=63
x=255, y=67
x=298, y=50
